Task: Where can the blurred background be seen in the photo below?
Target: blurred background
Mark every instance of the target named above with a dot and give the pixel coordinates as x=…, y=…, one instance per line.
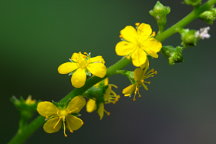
x=37, y=36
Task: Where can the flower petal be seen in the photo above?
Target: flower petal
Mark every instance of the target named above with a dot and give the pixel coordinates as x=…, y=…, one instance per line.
x=78, y=78
x=124, y=48
x=52, y=125
x=76, y=104
x=76, y=57
x=129, y=34
x=98, y=59
x=138, y=57
x=46, y=108
x=144, y=30
x=101, y=110
x=73, y=123
x=97, y=69
x=138, y=74
x=129, y=90
x=152, y=46
x=91, y=105
x=67, y=67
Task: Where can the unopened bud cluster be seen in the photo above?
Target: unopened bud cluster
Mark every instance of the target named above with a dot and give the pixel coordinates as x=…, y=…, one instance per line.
x=159, y=12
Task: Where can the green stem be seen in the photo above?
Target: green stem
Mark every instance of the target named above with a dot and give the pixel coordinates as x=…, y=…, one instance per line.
x=27, y=131
x=186, y=20
x=90, y=82
x=24, y=133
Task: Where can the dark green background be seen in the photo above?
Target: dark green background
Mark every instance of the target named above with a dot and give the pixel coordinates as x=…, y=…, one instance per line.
x=36, y=36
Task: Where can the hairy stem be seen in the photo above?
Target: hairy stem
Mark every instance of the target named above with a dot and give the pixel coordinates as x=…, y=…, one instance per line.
x=28, y=130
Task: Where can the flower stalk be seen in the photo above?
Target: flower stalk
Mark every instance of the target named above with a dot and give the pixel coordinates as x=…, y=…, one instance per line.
x=25, y=132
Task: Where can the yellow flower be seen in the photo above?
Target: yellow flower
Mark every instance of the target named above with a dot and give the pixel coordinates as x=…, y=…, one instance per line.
x=82, y=64
x=30, y=101
x=109, y=97
x=140, y=76
x=138, y=43
x=56, y=117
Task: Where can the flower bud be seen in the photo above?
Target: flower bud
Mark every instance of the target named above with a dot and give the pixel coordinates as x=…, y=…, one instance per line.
x=174, y=54
x=193, y=2
x=159, y=12
x=22, y=104
x=26, y=108
x=188, y=37
x=209, y=16
x=159, y=9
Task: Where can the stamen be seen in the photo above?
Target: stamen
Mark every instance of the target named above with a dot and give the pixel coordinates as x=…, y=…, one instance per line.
x=108, y=113
x=134, y=97
x=147, y=82
x=139, y=95
x=64, y=128
x=56, y=123
x=112, y=85
x=144, y=86
x=135, y=93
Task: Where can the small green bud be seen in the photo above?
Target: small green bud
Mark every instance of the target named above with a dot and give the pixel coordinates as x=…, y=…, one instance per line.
x=209, y=16
x=188, y=37
x=159, y=9
x=174, y=54
x=193, y=2
x=159, y=12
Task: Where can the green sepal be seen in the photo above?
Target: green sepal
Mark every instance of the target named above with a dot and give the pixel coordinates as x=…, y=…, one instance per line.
x=174, y=54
